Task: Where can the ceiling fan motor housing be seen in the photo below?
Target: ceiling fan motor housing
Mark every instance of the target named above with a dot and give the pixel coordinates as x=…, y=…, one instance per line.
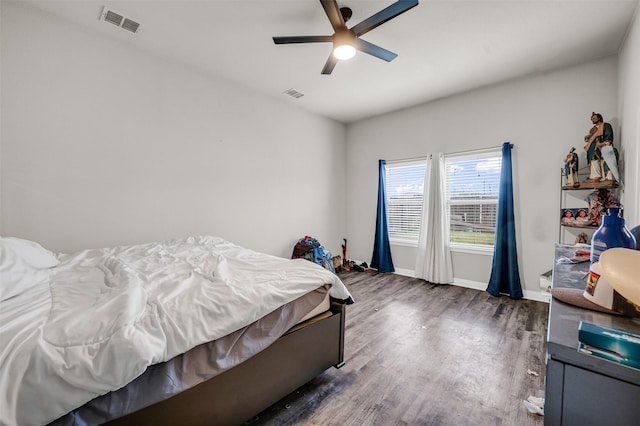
x=346, y=13
x=344, y=36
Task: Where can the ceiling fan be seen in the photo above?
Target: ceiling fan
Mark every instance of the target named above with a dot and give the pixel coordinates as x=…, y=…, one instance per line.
x=347, y=40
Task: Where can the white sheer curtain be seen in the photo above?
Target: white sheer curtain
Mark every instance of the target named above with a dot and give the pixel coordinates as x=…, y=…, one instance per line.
x=433, y=262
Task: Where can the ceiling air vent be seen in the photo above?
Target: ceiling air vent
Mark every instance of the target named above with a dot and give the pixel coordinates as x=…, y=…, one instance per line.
x=119, y=20
x=293, y=93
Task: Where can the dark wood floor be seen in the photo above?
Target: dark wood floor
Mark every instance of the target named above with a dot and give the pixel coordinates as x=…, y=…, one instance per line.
x=424, y=354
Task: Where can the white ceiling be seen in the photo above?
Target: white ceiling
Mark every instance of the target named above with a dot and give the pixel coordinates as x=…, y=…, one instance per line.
x=444, y=46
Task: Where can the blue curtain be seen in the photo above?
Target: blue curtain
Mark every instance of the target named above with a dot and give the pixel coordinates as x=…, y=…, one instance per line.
x=505, y=277
x=381, y=249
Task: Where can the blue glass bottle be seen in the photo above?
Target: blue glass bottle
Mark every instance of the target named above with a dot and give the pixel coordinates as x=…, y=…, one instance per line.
x=635, y=231
x=612, y=233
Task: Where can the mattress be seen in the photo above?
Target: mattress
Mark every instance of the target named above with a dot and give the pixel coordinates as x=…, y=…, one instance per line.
x=164, y=380
x=99, y=319
x=322, y=307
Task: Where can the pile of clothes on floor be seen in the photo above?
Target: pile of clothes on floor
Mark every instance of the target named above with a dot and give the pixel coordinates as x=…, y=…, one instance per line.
x=310, y=248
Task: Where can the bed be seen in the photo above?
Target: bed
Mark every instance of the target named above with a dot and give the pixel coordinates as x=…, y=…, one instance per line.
x=195, y=330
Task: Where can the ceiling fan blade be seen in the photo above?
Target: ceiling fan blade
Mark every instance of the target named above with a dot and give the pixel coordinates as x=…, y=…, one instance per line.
x=383, y=16
x=302, y=39
x=374, y=50
x=330, y=64
x=333, y=13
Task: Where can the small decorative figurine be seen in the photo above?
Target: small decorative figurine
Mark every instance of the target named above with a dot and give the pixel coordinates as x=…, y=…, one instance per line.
x=599, y=201
x=571, y=168
x=582, y=239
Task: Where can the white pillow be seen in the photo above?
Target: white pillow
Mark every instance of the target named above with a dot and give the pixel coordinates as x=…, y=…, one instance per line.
x=20, y=260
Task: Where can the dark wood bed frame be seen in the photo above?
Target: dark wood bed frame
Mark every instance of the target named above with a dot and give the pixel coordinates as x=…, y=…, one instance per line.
x=244, y=391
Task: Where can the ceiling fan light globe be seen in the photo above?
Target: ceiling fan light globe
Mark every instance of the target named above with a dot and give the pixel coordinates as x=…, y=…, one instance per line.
x=344, y=52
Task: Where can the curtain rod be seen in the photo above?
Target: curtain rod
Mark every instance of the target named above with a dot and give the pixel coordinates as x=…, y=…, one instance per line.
x=424, y=157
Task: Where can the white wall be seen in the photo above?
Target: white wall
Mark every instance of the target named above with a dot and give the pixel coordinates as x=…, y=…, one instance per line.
x=1, y=97
x=629, y=106
x=542, y=115
x=103, y=144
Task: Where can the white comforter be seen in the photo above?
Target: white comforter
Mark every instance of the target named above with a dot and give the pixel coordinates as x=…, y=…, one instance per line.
x=101, y=317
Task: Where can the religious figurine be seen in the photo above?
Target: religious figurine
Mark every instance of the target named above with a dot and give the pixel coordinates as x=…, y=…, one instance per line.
x=601, y=155
x=571, y=168
x=582, y=238
x=599, y=201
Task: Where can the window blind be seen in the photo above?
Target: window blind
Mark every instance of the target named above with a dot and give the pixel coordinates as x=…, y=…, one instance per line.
x=405, y=188
x=472, y=185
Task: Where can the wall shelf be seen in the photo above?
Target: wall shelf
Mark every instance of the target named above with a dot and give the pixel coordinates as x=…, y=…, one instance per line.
x=603, y=184
x=571, y=198
x=579, y=226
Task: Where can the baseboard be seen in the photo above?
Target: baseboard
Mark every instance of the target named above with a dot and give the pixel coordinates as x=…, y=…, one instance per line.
x=476, y=285
x=539, y=296
x=406, y=272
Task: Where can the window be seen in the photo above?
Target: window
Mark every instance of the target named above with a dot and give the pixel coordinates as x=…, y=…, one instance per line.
x=405, y=186
x=472, y=183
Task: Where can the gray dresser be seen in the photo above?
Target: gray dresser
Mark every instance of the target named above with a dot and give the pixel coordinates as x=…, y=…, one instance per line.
x=582, y=389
